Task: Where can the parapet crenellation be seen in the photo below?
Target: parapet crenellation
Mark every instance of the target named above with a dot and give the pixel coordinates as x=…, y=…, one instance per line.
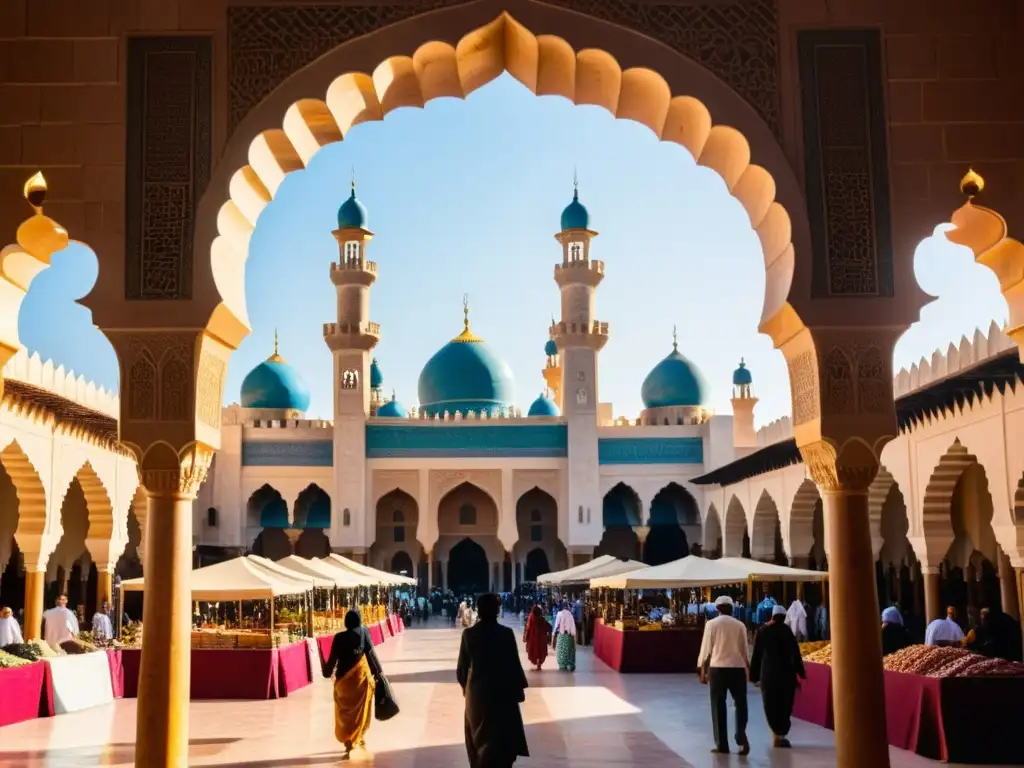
x=32, y=370
x=775, y=432
x=969, y=353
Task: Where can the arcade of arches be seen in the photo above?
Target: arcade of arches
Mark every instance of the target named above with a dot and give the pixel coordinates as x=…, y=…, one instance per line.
x=275, y=532
x=775, y=110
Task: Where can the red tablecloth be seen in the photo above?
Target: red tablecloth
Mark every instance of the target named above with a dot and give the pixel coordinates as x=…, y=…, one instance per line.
x=218, y=675
x=664, y=651
x=116, y=673
x=293, y=668
x=399, y=624
x=814, y=699
x=958, y=719
x=376, y=634
x=324, y=644
x=390, y=626
x=23, y=690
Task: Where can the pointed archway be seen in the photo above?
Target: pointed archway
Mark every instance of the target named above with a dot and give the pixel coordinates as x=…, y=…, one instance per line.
x=468, y=570
x=674, y=525
x=621, y=514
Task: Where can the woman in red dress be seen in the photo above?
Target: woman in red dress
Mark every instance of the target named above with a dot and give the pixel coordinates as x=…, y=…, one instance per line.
x=537, y=636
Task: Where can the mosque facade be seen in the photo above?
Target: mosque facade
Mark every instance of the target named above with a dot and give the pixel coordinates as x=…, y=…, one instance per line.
x=465, y=489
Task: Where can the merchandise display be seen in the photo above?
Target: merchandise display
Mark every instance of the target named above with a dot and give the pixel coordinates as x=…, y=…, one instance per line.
x=27, y=651
x=10, y=661
x=935, y=661
x=823, y=655
x=806, y=649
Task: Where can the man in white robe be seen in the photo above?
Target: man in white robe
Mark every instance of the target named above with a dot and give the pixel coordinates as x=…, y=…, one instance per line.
x=59, y=624
x=10, y=630
x=944, y=631
x=102, y=627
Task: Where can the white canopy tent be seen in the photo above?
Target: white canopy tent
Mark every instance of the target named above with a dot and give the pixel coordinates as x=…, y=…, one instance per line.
x=323, y=574
x=759, y=571
x=377, y=577
x=556, y=577
x=232, y=580
x=614, y=568
x=691, y=571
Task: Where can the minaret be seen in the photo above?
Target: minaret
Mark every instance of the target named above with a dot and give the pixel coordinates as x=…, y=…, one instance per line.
x=578, y=337
x=350, y=340
x=553, y=367
x=743, y=401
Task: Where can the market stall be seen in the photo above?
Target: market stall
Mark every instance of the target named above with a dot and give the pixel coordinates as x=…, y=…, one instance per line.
x=373, y=606
x=78, y=682
x=23, y=688
x=249, y=638
x=942, y=703
x=554, y=578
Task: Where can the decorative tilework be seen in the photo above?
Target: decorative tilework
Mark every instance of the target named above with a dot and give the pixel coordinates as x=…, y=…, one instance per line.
x=291, y=453
x=468, y=441
x=655, y=450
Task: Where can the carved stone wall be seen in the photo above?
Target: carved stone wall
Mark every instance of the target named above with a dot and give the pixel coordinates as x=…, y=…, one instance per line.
x=169, y=135
x=157, y=374
x=846, y=162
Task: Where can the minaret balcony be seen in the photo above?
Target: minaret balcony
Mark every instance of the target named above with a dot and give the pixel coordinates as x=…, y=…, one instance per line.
x=341, y=336
x=353, y=271
x=588, y=272
x=593, y=335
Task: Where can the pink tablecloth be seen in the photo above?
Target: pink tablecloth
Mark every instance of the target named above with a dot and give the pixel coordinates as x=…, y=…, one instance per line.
x=324, y=644
x=22, y=693
x=377, y=634
x=293, y=670
x=814, y=699
x=399, y=624
x=116, y=673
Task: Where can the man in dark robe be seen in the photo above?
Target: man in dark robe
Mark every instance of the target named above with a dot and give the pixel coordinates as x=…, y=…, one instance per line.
x=775, y=665
x=494, y=684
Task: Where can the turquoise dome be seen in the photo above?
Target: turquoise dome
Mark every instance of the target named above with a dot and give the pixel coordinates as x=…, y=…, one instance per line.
x=575, y=215
x=274, y=384
x=550, y=348
x=352, y=213
x=741, y=376
x=675, y=381
x=465, y=375
x=376, y=377
x=392, y=409
x=543, y=406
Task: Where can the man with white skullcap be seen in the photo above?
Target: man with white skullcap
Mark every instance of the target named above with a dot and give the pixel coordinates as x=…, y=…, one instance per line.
x=776, y=665
x=723, y=664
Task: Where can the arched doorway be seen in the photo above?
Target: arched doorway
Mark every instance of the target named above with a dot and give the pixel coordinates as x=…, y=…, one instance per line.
x=468, y=571
x=272, y=543
x=621, y=512
x=536, y=564
x=313, y=543
x=712, y=533
x=401, y=564
x=266, y=510
x=397, y=516
x=469, y=513
x=537, y=524
x=312, y=508
x=736, y=541
x=766, y=538
x=674, y=524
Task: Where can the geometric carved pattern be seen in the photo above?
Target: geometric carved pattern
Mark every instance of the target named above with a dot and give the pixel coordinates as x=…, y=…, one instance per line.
x=737, y=40
x=803, y=380
x=159, y=390
x=846, y=162
x=210, y=388
x=837, y=384
x=169, y=135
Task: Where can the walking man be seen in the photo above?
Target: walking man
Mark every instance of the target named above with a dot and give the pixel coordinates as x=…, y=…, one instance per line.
x=723, y=664
x=775, y=665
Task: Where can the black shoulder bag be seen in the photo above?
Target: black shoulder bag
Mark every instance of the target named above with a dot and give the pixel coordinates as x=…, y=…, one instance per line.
x=385, y=705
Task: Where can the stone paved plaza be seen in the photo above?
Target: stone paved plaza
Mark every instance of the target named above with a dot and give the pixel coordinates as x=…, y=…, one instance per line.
x=594, y=717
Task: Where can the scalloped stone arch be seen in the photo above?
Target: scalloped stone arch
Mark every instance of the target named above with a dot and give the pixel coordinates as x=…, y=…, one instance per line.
x=763, y=526
x=28, y=486
x=102, y=525
x=712, y=525
x=801, y=520
x=734, y=528
x=267, y=147
x=878, y=493
x=938, y=497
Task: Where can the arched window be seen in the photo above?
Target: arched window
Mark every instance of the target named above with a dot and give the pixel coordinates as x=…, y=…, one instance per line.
x=398, y=516
x=535, y=516
x=467, y=514
x=581, y=513
x=346, y=517
x=399, y=533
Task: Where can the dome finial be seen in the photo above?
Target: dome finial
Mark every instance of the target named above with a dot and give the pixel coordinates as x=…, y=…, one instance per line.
x=575, y=184
x=466, y=335
x=276, y=357
x=394, y=396
x=353, y=180
x=675, y=340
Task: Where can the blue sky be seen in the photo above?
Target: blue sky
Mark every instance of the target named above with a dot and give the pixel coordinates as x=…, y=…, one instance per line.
x=464, y=197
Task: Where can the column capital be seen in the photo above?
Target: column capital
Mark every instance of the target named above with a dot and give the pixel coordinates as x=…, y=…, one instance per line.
x=642, y=531
x=176, y=475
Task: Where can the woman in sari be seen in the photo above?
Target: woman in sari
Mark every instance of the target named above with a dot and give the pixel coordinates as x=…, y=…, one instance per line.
x=355, y=667
x=538, y=630
x=565, y=639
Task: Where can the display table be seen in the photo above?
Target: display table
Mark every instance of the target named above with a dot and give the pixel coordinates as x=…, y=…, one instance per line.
x=220, y=674
x=116, y=664
x=399, y=624
x=313, y=653
x=956, y=719
x=665, y=651
x=377, y=633
x=22, y=693
x=78, y=682
x=293, y=669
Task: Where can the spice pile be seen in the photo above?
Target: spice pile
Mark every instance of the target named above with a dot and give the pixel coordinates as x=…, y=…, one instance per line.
x=806, y=649
x=10, y=661
x=932, y=661
x=821, y=656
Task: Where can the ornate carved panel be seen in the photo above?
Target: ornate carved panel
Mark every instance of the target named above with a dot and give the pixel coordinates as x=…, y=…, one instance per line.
x=846, y=162
x=387, y=480
x=650, y=450
x=210, y=388
x=524, y=480
x=803, y=378
x=168, y=161
x=266, y=44
x=737, y=40
x=159, y=377
x=288, y=453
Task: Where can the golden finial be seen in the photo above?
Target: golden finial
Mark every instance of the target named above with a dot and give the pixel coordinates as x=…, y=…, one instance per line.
x=35, y=191
x=971, y=184
x=466, y=335
x=394, y=396
x=675, y=340
x=40, y=235
x=276, y=357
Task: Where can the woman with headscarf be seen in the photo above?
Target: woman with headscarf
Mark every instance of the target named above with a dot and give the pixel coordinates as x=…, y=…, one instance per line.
x=894, y=634
x=538, y=630
x=492, y=680
x=355, y=667
x=565, y=639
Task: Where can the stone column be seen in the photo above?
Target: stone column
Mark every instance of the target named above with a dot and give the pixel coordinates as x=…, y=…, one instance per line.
x=162, y=723
x=430, y=572
x=293, y=537
x=932, y=593
x=580, y=555
x=444, y=575
x=35, y=592
x=1008, y=587
x=104, y=586
x=642, y=532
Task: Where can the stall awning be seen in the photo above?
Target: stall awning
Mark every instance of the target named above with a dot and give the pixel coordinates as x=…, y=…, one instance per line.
x=614, y=568
x=238, y=579
x=281, y=568
x=691, y=571
x=759, y=571
x=555, y=577
x=325, y=575
x=376, y=576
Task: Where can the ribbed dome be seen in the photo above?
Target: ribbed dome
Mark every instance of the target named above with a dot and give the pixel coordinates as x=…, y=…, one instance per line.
x=550, y=348
x=392, y=409
x=376, y=377
x=274, y=384
x=675, y=381
x=465, y=375
x=742, y=375
x=575, y=215
x=352, y=213
x=543, y=406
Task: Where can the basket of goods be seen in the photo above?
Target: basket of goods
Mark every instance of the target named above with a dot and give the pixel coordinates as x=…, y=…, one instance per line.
x=214, y=640
x=27, y=651
x=255, y=640
x=808, y=648
x=131, y=635
x=10, y=661
x=45, y=651
x=821, y=656
x=935, y=661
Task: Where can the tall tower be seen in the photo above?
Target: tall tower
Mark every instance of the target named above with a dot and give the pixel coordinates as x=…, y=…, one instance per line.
x=743, y=401
x=578, y=337
x=553, y=367
x=350, y=340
